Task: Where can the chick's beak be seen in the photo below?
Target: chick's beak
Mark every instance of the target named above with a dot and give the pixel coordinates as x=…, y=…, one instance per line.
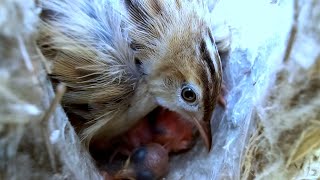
x=204, y=128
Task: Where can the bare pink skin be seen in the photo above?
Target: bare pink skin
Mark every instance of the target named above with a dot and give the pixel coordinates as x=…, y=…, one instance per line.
x=169, y=130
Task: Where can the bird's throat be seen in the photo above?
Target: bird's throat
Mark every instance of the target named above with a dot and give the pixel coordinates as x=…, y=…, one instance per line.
x=142, y=103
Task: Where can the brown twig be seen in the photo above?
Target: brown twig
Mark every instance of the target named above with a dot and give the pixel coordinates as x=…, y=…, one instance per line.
x=44, y=60
x=61, y=88
x=293, y=32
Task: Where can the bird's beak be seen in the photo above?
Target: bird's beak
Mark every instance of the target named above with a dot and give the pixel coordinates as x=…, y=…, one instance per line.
x=204, y=128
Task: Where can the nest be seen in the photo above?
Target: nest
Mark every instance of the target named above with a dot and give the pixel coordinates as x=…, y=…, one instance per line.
x=269, y=130
x=36, y=139
x=286, y=143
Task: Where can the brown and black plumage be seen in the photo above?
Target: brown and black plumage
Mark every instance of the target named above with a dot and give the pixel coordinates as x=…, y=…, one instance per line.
x=122, y=60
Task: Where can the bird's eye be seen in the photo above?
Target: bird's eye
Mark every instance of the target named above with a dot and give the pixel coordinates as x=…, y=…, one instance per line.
x=188, y=95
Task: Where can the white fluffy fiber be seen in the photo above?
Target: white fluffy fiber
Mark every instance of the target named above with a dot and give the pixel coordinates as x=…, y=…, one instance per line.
x=26, y=151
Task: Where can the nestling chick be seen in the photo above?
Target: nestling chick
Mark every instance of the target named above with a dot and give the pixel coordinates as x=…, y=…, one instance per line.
x=164, y=127
x=147, y=162
x=120, y=64
x=161, y=126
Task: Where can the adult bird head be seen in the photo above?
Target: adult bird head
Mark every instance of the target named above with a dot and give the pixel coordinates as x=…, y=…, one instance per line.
x=178, y=55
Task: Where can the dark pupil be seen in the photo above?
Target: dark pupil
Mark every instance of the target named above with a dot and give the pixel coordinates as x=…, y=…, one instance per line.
x=188, y=95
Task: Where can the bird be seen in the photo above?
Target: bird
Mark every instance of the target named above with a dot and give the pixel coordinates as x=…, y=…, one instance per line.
x=120, y=60
x=162, y=127
x=149, y=161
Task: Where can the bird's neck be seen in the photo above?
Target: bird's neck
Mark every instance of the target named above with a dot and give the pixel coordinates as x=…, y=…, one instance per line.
x=141, y=103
